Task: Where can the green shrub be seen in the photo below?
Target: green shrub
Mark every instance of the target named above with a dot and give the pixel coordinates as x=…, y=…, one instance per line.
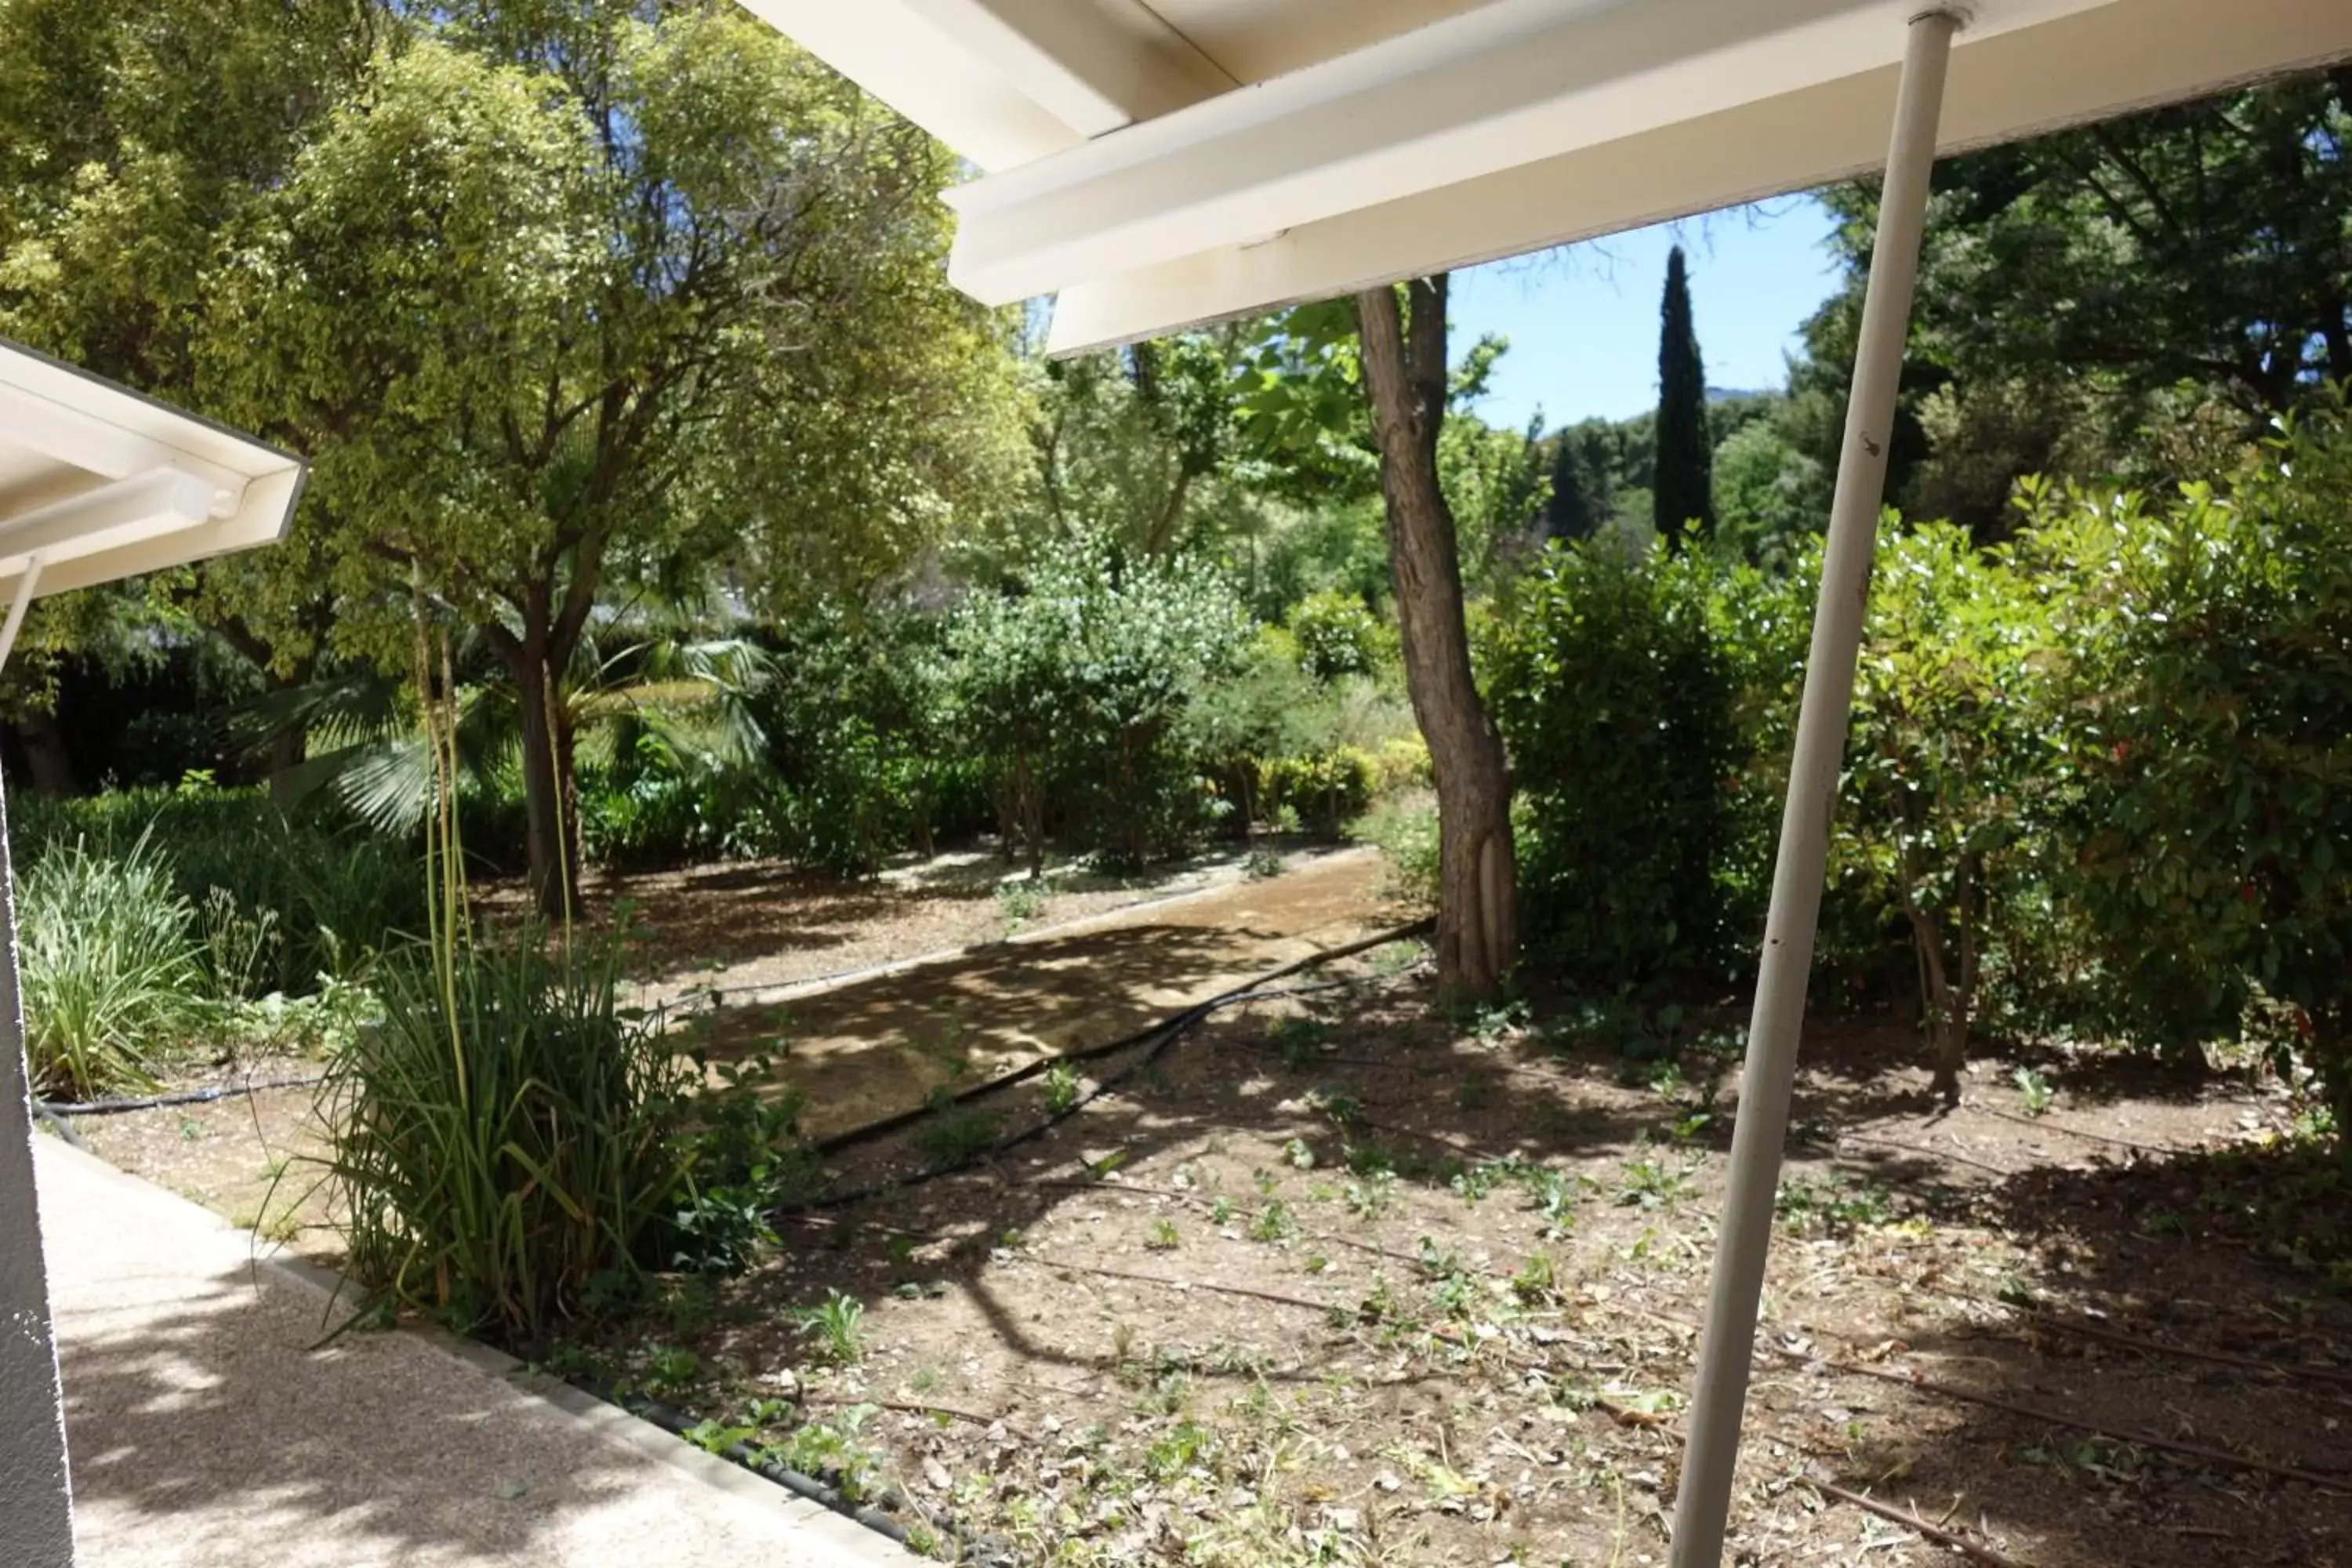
x=331, y=892
x=1335, y=636
x=1073, y=689
x=1618, y=711
x=1941, y=838
x=503, y=1142
x=108, y=961
x=858, y=742
x=1325, y=789
x=2208, y=685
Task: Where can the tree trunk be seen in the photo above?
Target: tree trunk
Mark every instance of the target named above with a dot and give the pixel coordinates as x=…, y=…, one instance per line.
x=547, y=812
x=1946, y=1004
x=45, y=757
x=1477, y=882
x=288, y=748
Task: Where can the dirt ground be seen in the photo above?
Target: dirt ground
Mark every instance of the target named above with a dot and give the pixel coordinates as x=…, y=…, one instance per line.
x=879, y=1048
x=1058, y=972
x=1369, y=1286
x=1337, y=1278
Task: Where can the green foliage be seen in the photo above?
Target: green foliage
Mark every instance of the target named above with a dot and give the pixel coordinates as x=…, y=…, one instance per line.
x=1618, y=711
x=1071, y=691
x=2209, y=778
x=110, y=967
x=2125, y=301
x=1950, y=739
x=858, y=740
x=837, y=1324
x=1683, y=485
x=739, y=1149
x=1335, y=636
x=503, y=1144
x=1406, y=833
x=1325, y=789
x=330, y=895
x=1767, y=494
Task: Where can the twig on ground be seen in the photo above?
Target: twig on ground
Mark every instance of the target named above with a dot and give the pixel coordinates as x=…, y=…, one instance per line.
x=1203, y=1204
x=2324, y=1480
x=1275, y=1297
x=2043, y=1123
x=2223, y=1456
x=2166, y=1347
x=1973, y=1550
x=1957, y=1158
x=1468, y=1151
x=918, y=1408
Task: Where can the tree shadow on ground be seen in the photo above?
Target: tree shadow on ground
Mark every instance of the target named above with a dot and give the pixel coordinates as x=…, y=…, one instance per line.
x=206, y=1428
x=1426, y=1099
x=2138, y=1268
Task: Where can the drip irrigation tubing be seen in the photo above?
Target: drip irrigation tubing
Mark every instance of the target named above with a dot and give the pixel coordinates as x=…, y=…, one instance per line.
x=58, y=1108
x=1148, y=1042
x=676, y=1422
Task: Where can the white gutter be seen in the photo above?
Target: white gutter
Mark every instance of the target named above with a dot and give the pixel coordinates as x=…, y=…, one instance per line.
x=1508, y=84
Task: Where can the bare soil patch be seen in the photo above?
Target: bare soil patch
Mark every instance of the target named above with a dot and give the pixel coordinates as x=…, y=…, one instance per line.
x=1337, y=1278
x=863, y=1051
x=1340, y=1281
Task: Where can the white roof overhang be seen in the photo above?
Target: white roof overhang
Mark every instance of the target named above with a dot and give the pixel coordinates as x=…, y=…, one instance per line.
x=97, y=482
x=1139, y=168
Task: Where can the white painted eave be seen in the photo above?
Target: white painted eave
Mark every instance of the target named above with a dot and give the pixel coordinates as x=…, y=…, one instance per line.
x=1124, y=179
x=2130, y=54
x=98, y=483
x=1511, y=83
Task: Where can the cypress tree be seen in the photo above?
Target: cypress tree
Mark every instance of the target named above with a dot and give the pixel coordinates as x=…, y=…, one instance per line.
x=1572, y=514
x=1684, y=481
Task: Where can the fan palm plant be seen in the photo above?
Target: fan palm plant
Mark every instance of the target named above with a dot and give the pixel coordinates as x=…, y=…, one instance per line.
x=639, y=684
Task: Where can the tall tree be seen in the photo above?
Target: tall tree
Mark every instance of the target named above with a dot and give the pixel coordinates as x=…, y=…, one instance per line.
x=563, y=295
x=1404, y=374
x=2110, y=300
x=1684, y=485
x=1575, y=511
x=134, y=134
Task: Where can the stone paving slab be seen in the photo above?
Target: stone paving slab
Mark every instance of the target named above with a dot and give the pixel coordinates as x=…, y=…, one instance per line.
x=206, y=1432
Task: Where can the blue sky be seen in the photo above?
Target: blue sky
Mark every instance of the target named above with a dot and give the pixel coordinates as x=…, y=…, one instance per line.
x=1583, y=322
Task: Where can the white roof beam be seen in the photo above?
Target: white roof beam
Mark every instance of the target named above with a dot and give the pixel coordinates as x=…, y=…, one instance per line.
x=1094, y=64
x=142, y=507
x=1508, y=84
x=74, y=437
x=2084, y=66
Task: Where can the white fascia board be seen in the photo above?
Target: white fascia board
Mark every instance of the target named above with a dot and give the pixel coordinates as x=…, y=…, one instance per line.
x=1511, y=83
x=2131, y=55
x=1095, y=65
x=127, y=512
x=901, y=55
x=119, y=484
x=262, y=519
x=91, y=442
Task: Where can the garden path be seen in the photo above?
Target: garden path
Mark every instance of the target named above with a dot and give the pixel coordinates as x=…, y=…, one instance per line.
x=874, y=1046
x=208, y=1428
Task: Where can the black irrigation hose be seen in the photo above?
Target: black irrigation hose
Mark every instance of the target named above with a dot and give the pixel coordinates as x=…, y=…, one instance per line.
x=59, y=1125
x=1154, y=1038
x=679, y=1423
x=54, y=1108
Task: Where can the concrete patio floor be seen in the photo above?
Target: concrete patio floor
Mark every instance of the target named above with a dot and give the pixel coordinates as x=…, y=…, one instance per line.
x=206, y=1431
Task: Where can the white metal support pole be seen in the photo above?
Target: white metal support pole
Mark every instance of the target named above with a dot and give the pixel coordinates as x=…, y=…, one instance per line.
x=16, y=609
x=1704, y=1505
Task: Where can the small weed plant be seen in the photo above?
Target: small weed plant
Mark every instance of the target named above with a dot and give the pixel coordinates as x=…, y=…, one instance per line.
x=837, y=1324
